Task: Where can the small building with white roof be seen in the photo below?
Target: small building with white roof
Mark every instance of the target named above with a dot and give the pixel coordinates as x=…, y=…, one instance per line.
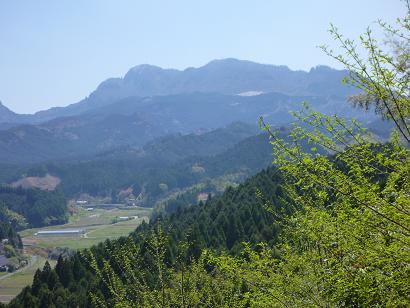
x=66, y=232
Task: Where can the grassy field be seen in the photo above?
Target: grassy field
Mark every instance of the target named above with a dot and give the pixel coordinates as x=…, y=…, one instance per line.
x=98, y=225
x=12, y=285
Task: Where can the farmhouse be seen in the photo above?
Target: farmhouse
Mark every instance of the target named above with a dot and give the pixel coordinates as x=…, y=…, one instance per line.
x=4, y=263
x=202, y=197
x=67, y=232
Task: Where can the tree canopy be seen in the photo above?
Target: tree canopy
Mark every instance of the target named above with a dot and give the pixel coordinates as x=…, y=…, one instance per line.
x=339, y=219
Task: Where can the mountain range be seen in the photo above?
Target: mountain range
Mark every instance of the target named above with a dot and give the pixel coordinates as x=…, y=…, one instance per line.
x=179, y=161
x=226, y=76
x=150, y=102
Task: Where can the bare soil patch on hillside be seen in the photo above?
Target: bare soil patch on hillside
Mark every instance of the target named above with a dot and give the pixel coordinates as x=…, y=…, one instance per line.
x=47, y=182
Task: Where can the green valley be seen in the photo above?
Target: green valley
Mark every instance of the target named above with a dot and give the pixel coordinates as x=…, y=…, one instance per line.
x=231, y=184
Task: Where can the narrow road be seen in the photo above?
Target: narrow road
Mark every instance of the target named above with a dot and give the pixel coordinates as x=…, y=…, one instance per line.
x=32, y=262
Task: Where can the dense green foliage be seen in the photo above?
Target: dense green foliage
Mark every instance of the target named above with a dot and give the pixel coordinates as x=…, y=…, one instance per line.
x=144, y=176
x=179, y=162
x=325, y=253
x=333, y=229
x=222, y=223
x=22, y=208
x=9, y=233
x=32, y=207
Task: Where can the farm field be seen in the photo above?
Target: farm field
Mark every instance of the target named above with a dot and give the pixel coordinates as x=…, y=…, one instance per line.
x=12, y=285
x=98, y=225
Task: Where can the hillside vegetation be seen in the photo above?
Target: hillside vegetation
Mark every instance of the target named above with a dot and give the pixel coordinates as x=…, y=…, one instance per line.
x=32, y=207
x=134, y=121
x=327, y=226
x=222, y=223
x=178, y=162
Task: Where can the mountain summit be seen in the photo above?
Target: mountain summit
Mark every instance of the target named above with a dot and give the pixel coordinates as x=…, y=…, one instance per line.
x=150, y=102
x=225, y=76
x=6, y=114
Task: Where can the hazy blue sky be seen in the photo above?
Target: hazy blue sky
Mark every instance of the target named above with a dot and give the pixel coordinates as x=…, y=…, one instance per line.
x=53, y=53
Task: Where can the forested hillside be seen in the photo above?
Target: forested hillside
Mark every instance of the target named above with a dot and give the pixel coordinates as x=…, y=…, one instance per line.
x=221, y=223
x=177, y=161
x=167, y=149
x=32, y=207
x=27, y=208
x=327, y=225
x=7, y=232
x=134, y=121
x=316, y=230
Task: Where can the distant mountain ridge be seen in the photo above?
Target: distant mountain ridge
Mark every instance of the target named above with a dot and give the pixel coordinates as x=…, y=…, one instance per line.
x=135, y=121
x=151, y=102
x=225, y=76
x=7, y=117
x=5, y=113
x=179, y=161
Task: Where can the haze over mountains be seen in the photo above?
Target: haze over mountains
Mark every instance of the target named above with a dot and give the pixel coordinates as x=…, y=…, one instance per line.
x=150, y=102
x=226, y=76
x=9, y=118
